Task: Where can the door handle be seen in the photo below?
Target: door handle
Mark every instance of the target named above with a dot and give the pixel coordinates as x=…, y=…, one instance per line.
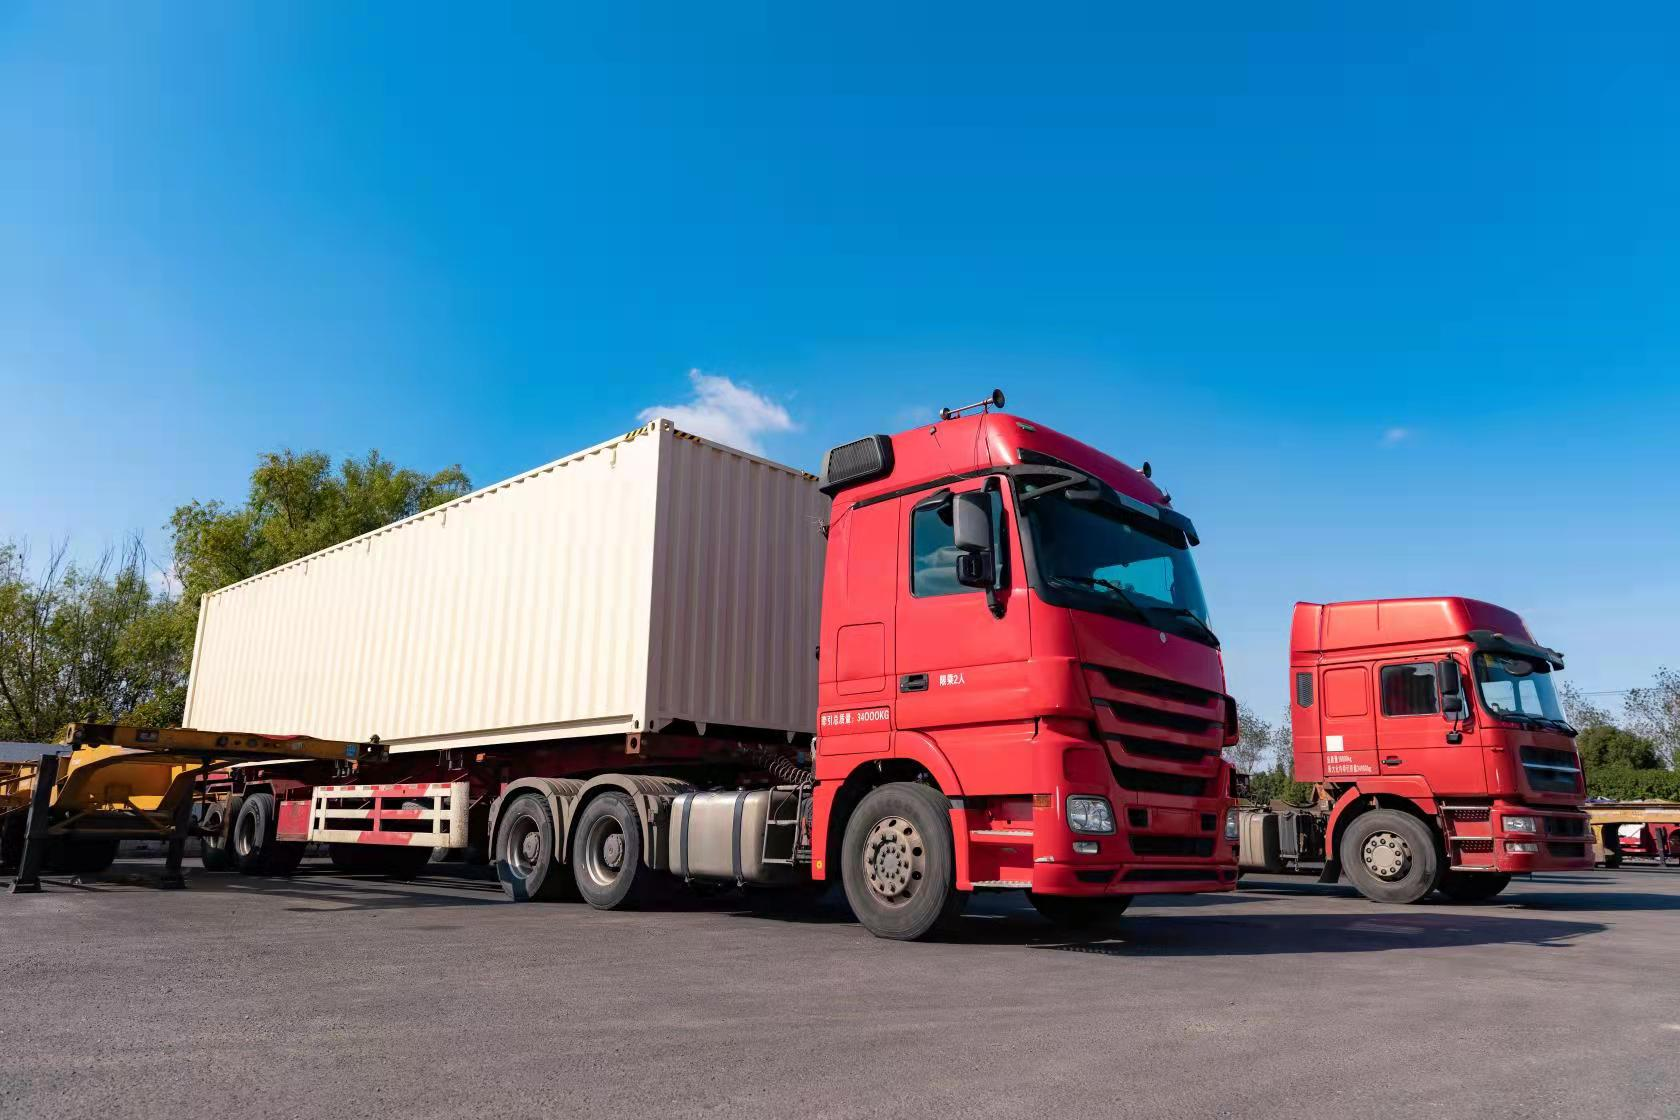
x=913, y=682
x=1391, y=760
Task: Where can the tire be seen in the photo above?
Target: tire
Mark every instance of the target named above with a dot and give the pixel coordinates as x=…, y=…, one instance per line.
x=214, y=854
x=255, y=851
x=83, y=855
x=1391, y=856
x=1071, y=912
x=526, y=852
x=898, y=863
x=607, y=855
x=391, y=861
x=1472, y=886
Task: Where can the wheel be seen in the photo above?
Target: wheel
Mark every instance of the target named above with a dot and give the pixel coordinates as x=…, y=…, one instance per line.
x=1472, y=886
x=607, y=854
x=394, y=861
x=214, y=854
x=525, y=850
x=255, y=850
x=82, y=855
x=1080, y=913
x=898, y=862
x=1391, y=856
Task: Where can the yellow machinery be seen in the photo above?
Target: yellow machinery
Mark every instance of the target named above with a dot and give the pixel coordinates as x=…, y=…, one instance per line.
x=1633, y=828
x=69, y=807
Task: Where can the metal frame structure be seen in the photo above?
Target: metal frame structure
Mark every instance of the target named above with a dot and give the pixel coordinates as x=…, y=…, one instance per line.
x=66, y=808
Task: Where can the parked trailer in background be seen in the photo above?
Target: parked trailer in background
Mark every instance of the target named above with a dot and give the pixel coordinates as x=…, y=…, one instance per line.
x=1432, y=731
x=1634, y=830
x=972, y=656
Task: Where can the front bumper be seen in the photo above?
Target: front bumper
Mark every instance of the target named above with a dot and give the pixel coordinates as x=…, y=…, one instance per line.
x=1478, y=840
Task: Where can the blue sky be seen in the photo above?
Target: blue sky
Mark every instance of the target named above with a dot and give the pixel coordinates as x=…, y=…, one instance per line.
x=1390, y=300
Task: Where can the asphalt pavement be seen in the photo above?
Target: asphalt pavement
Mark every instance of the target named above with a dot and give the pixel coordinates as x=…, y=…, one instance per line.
x=327, y=996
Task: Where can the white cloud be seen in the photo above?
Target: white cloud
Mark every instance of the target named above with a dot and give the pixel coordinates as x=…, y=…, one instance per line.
x=726, y=412
x=1392, y=436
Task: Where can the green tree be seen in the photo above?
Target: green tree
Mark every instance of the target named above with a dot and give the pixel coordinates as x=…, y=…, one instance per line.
x=1654, y=712
x=1606, y=746
x=1254, y=740
x=86, y=644
x=1581, y=712
x=297, y=505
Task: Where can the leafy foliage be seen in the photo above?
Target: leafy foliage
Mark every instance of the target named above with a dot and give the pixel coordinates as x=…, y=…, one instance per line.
x=1604, y=746
x=1654, y=712
x=298, y=505
x=1622, y=783
x=1277, y=784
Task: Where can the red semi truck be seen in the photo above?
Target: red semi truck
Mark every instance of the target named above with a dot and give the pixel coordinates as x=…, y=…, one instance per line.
x=1016, y=688
x=1434, y=734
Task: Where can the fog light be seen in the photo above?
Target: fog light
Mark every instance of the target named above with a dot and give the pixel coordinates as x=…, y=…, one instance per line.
x=1231, y=825
x=1522, y=847
x=1520, y=824
x=1086, y=847
x=1090, y=814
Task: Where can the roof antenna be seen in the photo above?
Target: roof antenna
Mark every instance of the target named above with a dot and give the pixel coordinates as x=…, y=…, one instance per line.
x=993, y=401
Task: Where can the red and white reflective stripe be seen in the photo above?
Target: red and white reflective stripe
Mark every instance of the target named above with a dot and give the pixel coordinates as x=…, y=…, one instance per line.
x=386, y=814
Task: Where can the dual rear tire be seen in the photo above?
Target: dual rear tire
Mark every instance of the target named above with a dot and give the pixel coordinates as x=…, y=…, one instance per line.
x=253, y=847
x=606, y=868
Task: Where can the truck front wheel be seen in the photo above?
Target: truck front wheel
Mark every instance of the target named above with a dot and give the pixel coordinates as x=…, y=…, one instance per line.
x=1391, y=856
x=1473, y=886
x=898, y=862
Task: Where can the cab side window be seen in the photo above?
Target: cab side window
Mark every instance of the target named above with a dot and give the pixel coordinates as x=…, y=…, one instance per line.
x=933, y=547
x=1409, y=690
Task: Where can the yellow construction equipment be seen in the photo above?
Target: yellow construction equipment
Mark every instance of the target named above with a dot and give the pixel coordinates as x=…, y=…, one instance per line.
x=68, y=807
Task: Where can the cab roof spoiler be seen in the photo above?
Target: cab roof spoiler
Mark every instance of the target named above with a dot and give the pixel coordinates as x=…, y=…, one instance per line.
x=1490, y=641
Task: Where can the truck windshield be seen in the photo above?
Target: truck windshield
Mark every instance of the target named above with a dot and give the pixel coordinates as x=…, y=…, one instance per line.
x=1517, y=687
x=1110, y=558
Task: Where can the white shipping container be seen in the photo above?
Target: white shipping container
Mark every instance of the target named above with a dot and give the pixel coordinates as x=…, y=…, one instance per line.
x=655, y=577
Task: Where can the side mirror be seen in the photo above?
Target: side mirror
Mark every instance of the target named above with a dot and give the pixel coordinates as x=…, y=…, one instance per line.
x=1451, y=682
x=971, y=525
x=1452, y=706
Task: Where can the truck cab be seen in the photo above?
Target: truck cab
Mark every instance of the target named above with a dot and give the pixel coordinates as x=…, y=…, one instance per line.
x=1433, y=728
x=1013, y=624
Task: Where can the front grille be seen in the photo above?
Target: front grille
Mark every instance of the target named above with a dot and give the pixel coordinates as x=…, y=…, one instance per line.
x=1149, y=781
x=1551, y=771
x=1171, y=845
x=1154, y=717
x=1565, y=826
x=1171, y=875
x=1155, y=748
x=1156, y=686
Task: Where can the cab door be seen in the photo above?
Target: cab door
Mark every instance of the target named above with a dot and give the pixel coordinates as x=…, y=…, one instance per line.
x=1349, y=722
x=959, y=662
x=1412, y=732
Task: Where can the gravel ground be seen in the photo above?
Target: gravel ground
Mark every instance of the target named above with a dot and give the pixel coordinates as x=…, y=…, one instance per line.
x=326, y=996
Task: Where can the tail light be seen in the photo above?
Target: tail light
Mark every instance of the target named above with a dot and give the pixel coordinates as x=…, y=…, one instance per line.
x=1232, y=735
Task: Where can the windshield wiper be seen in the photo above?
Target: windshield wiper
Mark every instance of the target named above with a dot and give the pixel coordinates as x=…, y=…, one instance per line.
x=1144, y=611
x=1186, y=612
x=1537, y=720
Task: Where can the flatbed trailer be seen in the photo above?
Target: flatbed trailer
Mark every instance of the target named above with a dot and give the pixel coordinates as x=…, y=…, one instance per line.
x=1634, y=829
x=75, y=801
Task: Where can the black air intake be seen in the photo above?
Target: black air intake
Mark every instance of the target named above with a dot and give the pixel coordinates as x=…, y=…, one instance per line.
x=859, y=461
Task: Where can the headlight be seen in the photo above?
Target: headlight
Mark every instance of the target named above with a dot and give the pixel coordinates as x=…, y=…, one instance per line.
x=1520, y=824
x=1090, y=814
x=1231, y=825
x=1522, y=848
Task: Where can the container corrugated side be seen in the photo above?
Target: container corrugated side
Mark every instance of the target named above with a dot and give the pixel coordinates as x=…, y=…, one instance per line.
x=517, y=612
x=737, y=592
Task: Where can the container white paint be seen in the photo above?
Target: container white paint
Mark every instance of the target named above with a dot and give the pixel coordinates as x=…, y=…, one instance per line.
x=654, y=577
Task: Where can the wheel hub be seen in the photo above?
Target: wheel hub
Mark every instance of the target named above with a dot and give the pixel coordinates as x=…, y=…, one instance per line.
x=1387, y=856
x=893, y=859
x=612, y=852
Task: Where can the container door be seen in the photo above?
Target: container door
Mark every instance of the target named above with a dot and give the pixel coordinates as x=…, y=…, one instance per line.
x=1350, y=728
